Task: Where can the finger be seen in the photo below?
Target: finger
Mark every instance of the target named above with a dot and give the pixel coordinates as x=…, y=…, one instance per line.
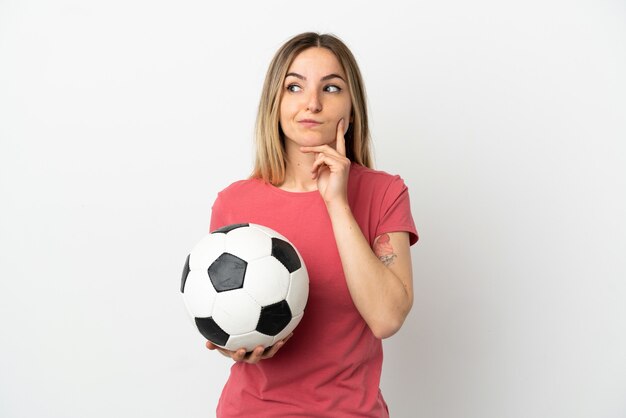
x=277, y=346
x=324, y=159
x=341, y=140
x=273, y=350
x=226, y=353
x=239, y=355
x=325, y=165
x=318, y=164
x=222, y=351
x=255, y=356
x=319, y=148
x=333, y=163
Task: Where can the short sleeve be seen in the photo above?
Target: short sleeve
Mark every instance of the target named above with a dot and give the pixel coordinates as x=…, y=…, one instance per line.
x=396, y=211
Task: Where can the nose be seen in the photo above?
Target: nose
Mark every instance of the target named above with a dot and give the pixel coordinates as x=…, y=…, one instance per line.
x=313, y=102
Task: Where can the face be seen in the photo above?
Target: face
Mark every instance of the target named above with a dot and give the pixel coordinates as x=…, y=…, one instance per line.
x=314, y=99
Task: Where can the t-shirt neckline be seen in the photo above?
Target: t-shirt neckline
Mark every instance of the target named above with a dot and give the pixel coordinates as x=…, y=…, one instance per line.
x=283, y=192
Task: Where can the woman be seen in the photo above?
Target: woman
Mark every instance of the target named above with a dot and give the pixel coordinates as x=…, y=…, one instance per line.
x=312, y=182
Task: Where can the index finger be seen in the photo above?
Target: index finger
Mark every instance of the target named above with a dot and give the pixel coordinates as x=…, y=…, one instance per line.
x=341, y=141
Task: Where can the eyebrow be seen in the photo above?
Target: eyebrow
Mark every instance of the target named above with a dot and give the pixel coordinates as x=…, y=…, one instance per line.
x=326, y=77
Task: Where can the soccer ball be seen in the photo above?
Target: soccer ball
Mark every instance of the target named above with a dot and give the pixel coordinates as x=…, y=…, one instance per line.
x=245, y=285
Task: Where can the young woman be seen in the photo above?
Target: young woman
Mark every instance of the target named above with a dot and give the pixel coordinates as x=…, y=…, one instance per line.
x=313, y=183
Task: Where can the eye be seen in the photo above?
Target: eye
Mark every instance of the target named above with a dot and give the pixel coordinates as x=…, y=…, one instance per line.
x=293, y=88
x=331, y=88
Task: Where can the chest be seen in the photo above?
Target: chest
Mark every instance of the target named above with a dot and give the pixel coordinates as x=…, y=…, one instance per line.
x=305, y=222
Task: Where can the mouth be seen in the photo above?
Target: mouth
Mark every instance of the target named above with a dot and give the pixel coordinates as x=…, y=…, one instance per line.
x=309, y=123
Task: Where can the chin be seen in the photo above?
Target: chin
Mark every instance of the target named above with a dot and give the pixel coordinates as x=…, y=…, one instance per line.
x=312, y=141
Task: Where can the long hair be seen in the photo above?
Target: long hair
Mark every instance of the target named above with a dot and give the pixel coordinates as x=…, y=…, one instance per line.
x=270, y=159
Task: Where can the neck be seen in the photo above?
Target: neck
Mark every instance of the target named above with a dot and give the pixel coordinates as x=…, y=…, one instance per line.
x=298, y=170
x=298, y=174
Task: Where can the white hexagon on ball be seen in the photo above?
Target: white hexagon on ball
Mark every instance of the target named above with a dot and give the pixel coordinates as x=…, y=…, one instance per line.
x=236, y=312
x=248, y=243
x=199, y=294
x=298, y=292
x=267, y=280
x=270, y=232
x=248, y=341
x=206, y=251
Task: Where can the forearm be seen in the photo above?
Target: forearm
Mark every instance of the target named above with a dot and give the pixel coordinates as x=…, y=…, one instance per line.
x=380, y=296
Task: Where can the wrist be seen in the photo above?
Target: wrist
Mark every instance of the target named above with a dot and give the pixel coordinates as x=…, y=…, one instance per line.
x=337, y=205
x=339, y=211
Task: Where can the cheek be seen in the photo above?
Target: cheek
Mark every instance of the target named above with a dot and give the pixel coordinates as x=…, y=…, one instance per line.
x=286, y=117
x=286, y=111
x=346, y=110
x=281, y=109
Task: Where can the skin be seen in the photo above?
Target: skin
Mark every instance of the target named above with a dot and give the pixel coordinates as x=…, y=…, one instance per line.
x=380, y=283
x=314, y=89
x=314, y=111
x=384, y=250
x=253, y=357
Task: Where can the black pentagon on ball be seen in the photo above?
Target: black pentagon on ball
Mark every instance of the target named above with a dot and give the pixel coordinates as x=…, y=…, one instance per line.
x=185, y=274
x=227, y=272
x=226, y=229
x=211, y=331
x=286, y=254
x=274, y=318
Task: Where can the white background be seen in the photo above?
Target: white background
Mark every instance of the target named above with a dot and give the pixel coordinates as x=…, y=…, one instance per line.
x=121, y=120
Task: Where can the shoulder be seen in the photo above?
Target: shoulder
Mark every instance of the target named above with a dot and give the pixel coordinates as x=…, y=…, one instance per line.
x=242, y=187
x=380, y=201
x=369, y=178
x=242, y=192
x=371, y=174
x=236, y=201
x=369, y=187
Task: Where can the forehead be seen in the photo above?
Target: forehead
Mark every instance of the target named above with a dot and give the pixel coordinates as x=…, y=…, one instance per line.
x=315, y=61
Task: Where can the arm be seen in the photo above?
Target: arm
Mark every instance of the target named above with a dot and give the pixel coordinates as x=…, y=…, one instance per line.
x=379, y=279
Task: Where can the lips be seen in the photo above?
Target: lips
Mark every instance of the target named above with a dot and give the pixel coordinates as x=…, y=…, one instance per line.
x=309, y=123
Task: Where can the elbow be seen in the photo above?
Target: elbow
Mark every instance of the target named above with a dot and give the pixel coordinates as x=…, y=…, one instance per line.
x=388, y=320
x=386, y=327
x=386, y=330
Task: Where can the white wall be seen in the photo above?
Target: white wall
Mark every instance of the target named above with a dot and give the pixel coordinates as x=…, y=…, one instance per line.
x=120, y=121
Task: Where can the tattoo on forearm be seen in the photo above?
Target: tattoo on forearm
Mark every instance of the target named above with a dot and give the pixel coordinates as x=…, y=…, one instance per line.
x=384, y=250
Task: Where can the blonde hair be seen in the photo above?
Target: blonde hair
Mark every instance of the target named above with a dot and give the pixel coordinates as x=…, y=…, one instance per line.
x=270, y=160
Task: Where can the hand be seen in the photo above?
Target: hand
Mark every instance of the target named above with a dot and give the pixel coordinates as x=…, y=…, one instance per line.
x=253, y=357
x=331, y=168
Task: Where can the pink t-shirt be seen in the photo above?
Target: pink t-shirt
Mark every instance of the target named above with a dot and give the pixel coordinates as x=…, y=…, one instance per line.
x=331, y=366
